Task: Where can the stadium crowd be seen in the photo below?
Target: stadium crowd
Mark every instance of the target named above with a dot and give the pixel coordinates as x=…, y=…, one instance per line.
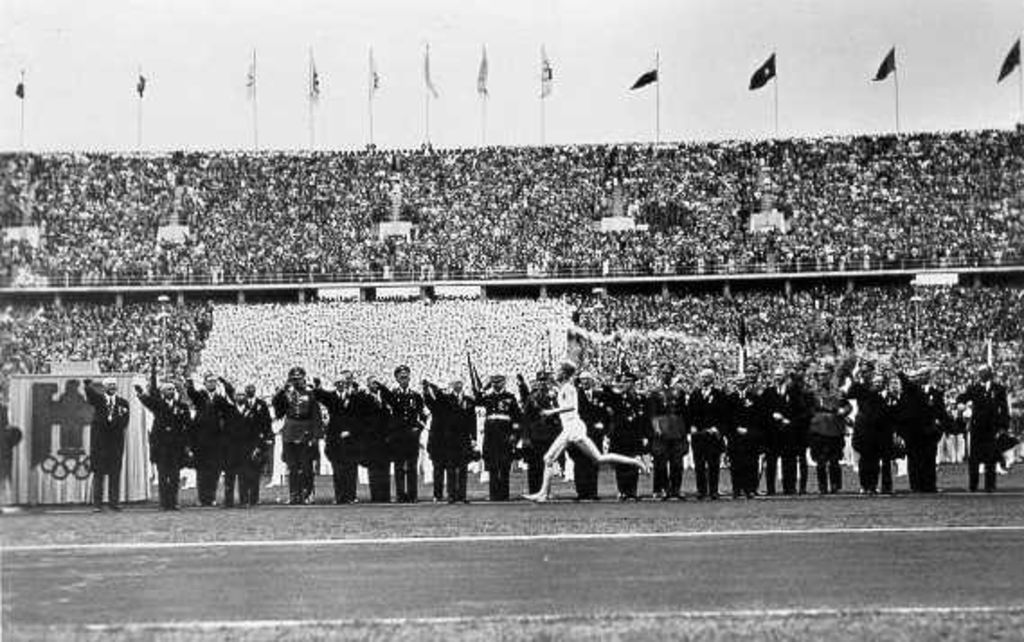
x=801, y=343
x=118, y=339
x=849, y=202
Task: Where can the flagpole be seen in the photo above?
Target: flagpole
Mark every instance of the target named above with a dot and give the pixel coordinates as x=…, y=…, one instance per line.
x=369, y=96
x=896, y=86
x=542, y=58
x=775, y=89
x=483, y=120
x=657, y=97
x=312, y=126
x=426, y=96
x=21, y=135
x=255, y=117
x=1020, y=88
x=138, y=123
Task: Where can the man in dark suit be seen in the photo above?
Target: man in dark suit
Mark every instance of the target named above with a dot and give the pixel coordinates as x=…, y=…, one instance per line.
x=744, y=434
x=985, y=405
x=247, y=434
x=207, y=441
x=342, y=440
x=106, y=437
x=872, y=438
x=911, y=417
x=370, y=411
x=168, y=436
x=709, y=418
x=593, y=411
x=452, y=439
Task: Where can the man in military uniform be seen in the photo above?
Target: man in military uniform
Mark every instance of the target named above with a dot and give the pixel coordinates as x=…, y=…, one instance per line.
x=342, y=438
x=667, y=409
x=247, y=434
x=539, y=428
x=408, y=418
x=106, y=439
x=744, y=433
x=630, y=434
x=988, y=411
x=452, y=439
x=708, y=417
x=501, y=431
x=206, y=439
x=302, y=428
x=594, y=413
x=168, y=436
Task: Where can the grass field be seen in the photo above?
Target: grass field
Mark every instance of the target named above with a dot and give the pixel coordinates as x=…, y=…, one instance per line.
x=800, y=568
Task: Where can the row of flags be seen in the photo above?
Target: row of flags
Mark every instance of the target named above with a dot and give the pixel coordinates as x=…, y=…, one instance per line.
x=761, y=76
x=764, y=73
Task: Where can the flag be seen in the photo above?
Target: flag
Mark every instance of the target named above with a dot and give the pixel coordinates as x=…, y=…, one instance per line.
x=19, y=90
x=742, y=331
x=426, y=73
x=474, y=376
x=1012, y=61
x=646, y=79
x=848, y=337
x=763, y=74
x=887, y=67
x=374, y=76
x=481, y=76
x=250, y=78
x=140, y=86
x=547, y=75
x=314, y=81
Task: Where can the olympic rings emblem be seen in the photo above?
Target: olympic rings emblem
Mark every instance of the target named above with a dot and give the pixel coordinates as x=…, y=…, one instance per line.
x=60, y=469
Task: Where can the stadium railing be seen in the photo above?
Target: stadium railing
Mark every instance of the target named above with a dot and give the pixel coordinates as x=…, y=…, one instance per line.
x=708, y=270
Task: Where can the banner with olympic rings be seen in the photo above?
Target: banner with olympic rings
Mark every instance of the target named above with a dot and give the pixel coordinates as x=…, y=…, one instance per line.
x=51, y=465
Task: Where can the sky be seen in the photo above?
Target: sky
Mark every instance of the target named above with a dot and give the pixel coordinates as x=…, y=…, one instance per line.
x=81, y=60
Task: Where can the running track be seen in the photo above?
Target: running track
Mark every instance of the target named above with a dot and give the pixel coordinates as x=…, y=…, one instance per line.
x=514, y=576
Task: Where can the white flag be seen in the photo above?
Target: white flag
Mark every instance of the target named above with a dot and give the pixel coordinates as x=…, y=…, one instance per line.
x=547, y=75
x=426, y=72
x=374, y=76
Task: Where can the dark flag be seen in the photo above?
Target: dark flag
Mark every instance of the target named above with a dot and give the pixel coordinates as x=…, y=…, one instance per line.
x=763, y=74
x=474, y=376
x=742, y=331
x=1012, y=61
x=887, y=67
x=646, y=79
x=848, y=336
x=19, y=91
x=141, y=85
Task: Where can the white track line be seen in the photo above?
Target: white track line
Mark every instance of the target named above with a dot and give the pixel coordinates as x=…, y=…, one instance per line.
x=487, y=539
x=218, y=625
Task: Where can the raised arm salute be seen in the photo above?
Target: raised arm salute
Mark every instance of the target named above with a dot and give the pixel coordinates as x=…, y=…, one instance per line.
x=168, y=436
x=106, y=438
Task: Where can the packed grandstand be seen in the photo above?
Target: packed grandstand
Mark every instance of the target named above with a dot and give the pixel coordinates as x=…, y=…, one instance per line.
x=949, y=200
x=868, y=202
